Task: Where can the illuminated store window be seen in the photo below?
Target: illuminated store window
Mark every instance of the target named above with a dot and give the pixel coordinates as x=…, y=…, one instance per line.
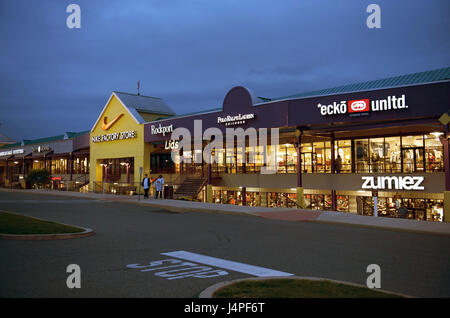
x=392, y=155
x=343, y=156
x=318, y=201
x=434, y=153
x=376, y=159
x=277, y=199
x=292, y=200
x=307, y=158
x=59, y=166
x=413, y=154
x=38, y=164
x=342, y=203
x=253, y=199
x=362, y=155
x=287, y=159
x=322, y=153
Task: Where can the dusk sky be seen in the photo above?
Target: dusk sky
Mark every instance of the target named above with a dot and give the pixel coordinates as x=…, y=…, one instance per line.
x=191, y=52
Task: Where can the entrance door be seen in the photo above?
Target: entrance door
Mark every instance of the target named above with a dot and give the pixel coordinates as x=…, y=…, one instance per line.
x=413, y=159
x=307, y=162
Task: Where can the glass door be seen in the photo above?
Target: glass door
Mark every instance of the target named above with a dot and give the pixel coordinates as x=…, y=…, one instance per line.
x=307, y=162
x=413, y=159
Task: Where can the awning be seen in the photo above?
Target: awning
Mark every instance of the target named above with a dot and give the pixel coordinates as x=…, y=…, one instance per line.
x=80, y=152
x=65, y=154
x=6, y=157
x=42, y=154
x=21, y=156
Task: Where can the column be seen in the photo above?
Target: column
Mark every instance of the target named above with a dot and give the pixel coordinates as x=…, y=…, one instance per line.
x=71, y=165
x=353, y=156
x=444, y=141
x=298, y=146
x=333, y=171
x=209, y=194
x=7, y=174
x=333, y=200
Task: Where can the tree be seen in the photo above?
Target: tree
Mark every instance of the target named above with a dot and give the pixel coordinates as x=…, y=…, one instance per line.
x=39, y=177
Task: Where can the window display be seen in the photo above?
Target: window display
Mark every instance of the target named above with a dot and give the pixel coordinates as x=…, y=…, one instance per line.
x=344, y=154
x=392, y=154
x=342, y=203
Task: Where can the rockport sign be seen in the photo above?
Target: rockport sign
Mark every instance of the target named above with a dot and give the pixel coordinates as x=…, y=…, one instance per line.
x=363, y=106
x=161, y=129
x=393, y=182
x=235, y=120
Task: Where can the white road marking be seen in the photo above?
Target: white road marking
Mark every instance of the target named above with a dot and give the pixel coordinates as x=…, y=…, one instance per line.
x=179, y=270
x=225, y=264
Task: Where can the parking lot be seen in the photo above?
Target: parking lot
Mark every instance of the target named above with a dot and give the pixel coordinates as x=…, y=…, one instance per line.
x=140, y=251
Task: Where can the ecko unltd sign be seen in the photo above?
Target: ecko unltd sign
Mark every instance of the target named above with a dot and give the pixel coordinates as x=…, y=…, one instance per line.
x=363, y=106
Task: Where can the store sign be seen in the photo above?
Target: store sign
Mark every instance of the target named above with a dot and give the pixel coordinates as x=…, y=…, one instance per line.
x=11, y=152
x=161, y=129
x=171, y=144
x=41, y=149
x=235, y=120
x=361, y=107
x=106, y=125
x=393, y=182
x=115, y=136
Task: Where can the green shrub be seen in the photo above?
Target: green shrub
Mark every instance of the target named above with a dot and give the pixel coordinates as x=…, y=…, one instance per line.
x=39, y=177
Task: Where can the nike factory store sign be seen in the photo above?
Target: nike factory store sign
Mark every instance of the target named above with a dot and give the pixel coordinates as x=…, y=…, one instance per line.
x=115, y=136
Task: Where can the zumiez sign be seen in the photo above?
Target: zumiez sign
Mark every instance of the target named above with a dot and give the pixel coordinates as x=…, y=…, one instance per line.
x=363, y=106
x=394, y=182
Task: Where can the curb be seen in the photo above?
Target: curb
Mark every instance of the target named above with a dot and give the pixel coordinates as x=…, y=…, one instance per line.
x=381, y=227
x=208, y=292
x=43, y=237
x=178, y=209
x=318, y=216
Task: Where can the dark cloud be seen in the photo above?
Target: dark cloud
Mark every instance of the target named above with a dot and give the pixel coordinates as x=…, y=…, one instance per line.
x=191, y=53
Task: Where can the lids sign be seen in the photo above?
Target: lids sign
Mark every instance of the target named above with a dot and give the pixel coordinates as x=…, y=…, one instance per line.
x=360, y=107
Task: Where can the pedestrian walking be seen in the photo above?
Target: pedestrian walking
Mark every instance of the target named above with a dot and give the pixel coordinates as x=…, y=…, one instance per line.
x=146, y=186
x=159, y=183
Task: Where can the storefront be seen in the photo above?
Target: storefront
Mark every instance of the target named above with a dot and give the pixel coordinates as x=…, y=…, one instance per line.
x=66, y=156
x=368, y=149
x=329, y=141
x=117, y=148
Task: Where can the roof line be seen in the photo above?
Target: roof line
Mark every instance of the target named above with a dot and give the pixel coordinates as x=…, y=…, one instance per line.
x=349, y=92
x=137, y=95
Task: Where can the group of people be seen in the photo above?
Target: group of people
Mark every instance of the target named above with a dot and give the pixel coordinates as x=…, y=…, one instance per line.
x=158, y=183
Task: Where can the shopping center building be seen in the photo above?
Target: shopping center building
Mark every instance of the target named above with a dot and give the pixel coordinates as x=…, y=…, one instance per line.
x=366, y=148
x=66, y=156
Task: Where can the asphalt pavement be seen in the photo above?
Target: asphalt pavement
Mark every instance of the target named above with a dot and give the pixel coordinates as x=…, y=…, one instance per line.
x=125, y=256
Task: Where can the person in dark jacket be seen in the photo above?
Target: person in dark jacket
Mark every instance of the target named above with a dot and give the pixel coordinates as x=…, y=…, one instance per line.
x=146, y=186
x=403, y=212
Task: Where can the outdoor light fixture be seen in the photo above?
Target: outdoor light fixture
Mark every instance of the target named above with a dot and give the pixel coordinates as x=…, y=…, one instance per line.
x=16, y=162
x=437, y=134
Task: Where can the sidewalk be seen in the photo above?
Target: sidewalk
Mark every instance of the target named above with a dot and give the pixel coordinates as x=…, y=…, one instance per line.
x=301, y=215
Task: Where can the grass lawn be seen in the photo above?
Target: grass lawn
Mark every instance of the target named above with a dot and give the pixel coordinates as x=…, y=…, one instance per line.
x=19, y=224
x=294, y=288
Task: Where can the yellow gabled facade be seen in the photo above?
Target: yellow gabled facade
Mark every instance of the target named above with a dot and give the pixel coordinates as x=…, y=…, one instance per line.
x=120, y=135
